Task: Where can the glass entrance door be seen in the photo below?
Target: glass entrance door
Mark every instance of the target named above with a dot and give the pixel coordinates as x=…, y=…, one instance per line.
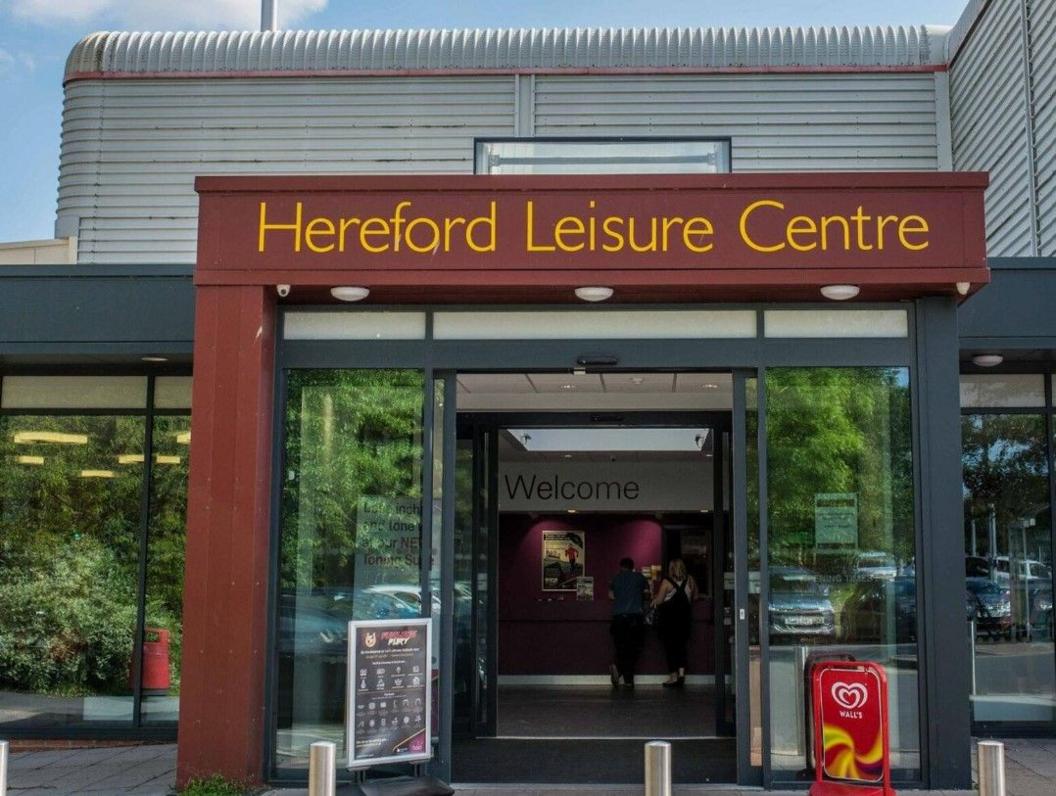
x=475, y=543
x=491, y=447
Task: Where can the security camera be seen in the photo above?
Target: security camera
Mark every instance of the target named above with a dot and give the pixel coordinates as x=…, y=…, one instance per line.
x=282, y=290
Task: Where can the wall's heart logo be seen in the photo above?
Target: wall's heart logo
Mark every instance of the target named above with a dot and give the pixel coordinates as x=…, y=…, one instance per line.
x=850, y=695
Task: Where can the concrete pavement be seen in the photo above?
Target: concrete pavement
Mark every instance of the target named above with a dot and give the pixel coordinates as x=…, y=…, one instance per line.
x=151, y=769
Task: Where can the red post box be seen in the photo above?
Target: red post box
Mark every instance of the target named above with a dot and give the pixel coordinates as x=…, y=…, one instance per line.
x=851, y=734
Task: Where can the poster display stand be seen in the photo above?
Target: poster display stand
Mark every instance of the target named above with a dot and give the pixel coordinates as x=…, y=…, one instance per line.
x=851, y=733
x=388, y=712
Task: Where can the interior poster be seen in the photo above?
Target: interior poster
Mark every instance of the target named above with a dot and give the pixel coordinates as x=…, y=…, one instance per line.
x=389, y=691
x=563, y=559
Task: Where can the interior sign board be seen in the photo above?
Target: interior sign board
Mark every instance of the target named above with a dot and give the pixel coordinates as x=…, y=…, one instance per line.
x=606, y=486
x=836, y=519
x=389, y=709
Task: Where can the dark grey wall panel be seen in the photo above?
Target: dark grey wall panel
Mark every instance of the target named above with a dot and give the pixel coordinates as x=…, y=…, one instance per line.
x=82, y=310
x=940, y=568
x=1015, y=309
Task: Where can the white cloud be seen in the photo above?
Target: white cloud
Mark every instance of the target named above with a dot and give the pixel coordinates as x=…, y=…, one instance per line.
x=10, y=63
x=162, y=14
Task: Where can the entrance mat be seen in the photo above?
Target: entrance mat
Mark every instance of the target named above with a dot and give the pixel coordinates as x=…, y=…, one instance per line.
x=588, y=761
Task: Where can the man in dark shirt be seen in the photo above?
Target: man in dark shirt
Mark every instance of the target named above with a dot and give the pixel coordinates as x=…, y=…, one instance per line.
x=628, y=592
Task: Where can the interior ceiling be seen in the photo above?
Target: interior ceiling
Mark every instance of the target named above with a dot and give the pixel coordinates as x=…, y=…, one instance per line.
x=569, y=391
x=511, y=449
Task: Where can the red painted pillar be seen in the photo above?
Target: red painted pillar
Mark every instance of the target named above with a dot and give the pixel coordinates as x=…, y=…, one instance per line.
x=221, y=727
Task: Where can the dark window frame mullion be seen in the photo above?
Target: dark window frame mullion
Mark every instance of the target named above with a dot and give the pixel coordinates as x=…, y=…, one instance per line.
x=146, y=487
x=1050, y=461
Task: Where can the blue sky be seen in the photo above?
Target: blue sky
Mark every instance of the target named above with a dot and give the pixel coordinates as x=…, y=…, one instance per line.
x=36, y=36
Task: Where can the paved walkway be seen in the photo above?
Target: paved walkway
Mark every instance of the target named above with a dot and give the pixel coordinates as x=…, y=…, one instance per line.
x=110, y=770
x=1030, y=769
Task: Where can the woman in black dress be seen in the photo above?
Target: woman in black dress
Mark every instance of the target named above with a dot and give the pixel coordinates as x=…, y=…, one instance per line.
x=674, y=608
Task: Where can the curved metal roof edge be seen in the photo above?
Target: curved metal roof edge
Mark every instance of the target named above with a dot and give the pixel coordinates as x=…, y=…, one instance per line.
x=205, y=52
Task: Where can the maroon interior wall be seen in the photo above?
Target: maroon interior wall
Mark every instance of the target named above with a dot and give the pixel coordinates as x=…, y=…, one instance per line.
x=553, y=633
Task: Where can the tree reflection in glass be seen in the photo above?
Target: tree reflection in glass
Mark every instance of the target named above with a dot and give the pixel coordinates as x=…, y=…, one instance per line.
x=841, y=543
x=1008, y=566
x=70, y=490
x=351, y=534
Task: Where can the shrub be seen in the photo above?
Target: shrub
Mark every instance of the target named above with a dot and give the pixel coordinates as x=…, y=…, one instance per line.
x=69, y=620
x=215, y=786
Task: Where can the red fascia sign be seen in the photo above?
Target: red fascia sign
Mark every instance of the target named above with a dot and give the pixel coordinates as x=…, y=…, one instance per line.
x=851, y=734
x=749, y=236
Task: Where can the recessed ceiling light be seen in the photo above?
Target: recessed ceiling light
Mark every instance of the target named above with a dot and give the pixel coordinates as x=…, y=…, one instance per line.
x=568, y=386
x=571, y=511
x=596, y=293
x=155, y=359
x=988, y=360
x=637, y=380
x=840, y=292
x=568, y=455
x=349, y=293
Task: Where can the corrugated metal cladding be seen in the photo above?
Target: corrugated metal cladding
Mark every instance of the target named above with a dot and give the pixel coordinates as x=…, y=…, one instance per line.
x=801, y=122
x=546, y=48
x=133, y=141
x=1003, y=108
x=1043, y=80
x=132, y=148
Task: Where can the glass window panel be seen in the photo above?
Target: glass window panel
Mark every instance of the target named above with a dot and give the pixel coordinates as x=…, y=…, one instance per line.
x=172, y=392
x=436, y=553
x=1002, y=390
x=842, y=544
x=836, y=323
x=70, y=492
x=595, y=156
x=350, y=539
x=166, y=535
x=755, y=655
x=354, y=326
x=1008, y=565
x=597, y=325
x=73, y=392
x=467, y=677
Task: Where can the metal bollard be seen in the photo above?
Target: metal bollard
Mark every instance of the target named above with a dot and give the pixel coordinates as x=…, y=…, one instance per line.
x=658, y=768
x=991, y=768
x=3, y=768
x=322, y=769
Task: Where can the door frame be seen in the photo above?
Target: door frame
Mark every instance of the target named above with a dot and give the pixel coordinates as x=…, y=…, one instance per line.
x=483, y=427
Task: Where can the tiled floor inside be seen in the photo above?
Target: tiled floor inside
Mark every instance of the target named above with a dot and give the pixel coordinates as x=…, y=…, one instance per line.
x=647, y=711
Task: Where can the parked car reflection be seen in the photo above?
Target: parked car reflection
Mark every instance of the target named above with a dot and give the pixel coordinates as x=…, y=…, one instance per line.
x=1041, y=611
x=880, y=610
x=317, y=623
x=993, y=608
x=800, y=607
x=875, y=565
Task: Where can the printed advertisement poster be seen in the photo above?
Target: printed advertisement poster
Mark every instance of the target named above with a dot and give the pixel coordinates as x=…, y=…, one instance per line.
x=563, y=560
x=585, y=587
x=389, y=691
x=852, y=714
